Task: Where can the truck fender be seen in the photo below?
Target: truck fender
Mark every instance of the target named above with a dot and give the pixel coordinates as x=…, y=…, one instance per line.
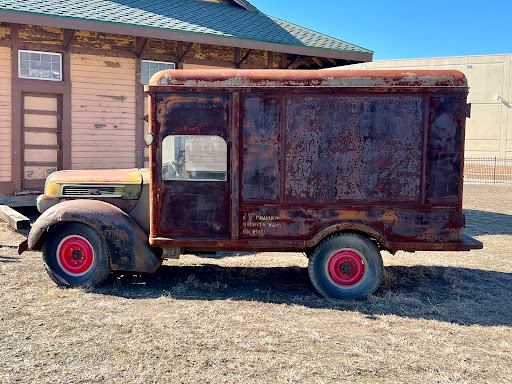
x=127, y=242
x=349, y=226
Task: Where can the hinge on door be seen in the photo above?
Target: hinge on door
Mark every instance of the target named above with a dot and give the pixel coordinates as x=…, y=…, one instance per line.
x=468, y=110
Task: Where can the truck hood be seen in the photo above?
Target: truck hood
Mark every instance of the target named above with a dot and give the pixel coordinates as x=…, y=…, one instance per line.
x=117, y=183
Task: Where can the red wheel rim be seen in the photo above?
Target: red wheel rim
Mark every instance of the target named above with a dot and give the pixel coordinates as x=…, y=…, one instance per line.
x=346, y=268
x=75, y=255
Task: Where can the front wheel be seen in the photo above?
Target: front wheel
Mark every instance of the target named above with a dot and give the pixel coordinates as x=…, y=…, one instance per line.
x=346, y=266
x=75, y=255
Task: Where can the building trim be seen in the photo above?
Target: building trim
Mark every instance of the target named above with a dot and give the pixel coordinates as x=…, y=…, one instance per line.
x=139, y=116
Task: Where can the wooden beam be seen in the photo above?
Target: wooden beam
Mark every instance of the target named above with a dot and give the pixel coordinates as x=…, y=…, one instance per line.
x=294, y=60
x=14, y=218
x=180, y=58
x=140, y=44
x=68, y=35
x=318, y=61
x=270, y=59
x=284, y=60
x=300, y=61
x=243, y=58
x=237, y=56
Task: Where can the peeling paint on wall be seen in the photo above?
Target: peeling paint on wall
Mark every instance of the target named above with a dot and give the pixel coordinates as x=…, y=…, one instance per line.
x=118, y=99
x=112, y=64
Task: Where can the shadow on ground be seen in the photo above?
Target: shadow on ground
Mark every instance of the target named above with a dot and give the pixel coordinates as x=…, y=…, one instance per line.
x=480, y=223
x=449, y=294
x=8, y=259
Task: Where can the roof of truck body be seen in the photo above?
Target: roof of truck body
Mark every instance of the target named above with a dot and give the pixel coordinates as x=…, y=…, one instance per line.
x=304, y=78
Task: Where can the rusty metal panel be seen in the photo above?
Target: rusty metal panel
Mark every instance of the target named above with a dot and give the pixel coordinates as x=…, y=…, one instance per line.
x=447, y=116
x=195, y=209
x=392, y=222
x=355, y=148
x=194, y=114
x=260, y=148
x=271, y=78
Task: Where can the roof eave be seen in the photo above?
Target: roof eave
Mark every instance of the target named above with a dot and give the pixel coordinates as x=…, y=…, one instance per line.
x=167, y=34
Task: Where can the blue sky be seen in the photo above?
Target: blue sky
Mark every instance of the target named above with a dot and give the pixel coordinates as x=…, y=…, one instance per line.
x=397, y=29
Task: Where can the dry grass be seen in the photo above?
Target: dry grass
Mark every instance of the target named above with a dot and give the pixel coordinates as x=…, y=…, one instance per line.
x=253, y=318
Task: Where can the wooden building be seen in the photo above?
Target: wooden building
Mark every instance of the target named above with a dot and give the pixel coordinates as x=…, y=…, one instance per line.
x=72, y=73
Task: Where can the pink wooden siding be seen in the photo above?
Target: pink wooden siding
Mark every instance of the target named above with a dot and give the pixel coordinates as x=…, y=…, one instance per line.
x=103, y=112
x=5, y=114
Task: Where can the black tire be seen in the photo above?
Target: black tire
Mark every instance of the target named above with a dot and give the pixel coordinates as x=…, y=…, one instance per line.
x=75, y=255
x=346, y=266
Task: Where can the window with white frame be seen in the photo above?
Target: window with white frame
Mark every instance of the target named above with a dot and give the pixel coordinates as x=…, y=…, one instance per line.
x=39, y=65
x=149, y=68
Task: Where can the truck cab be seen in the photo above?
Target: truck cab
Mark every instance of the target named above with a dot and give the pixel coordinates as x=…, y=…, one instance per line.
x=340, y=165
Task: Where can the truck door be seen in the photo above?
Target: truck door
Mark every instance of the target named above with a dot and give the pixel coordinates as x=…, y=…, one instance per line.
x=190, y=165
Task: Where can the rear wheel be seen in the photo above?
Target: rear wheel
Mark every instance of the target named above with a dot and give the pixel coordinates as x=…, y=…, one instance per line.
x=75, y=255
x=346, y=266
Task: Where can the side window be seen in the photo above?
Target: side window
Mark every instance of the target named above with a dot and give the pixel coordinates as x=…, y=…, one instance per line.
x=194, y=158
x=39, y=65
x=149, y=68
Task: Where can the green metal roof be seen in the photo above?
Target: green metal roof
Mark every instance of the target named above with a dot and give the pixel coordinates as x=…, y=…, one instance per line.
x=183, y=16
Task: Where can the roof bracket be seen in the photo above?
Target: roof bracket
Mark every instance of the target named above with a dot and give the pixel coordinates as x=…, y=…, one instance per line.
x=140, y=44
x=180, y=58
x=292, y=63
x=243, y=58
x=68, y=35
x=318, y=61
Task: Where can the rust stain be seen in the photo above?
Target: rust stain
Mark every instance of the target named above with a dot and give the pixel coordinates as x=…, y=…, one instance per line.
x=289, y=78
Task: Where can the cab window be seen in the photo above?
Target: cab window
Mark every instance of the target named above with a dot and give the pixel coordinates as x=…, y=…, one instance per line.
x=194, y=158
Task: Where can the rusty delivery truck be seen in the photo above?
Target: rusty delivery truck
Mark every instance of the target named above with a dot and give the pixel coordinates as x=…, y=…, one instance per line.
x=340, y=165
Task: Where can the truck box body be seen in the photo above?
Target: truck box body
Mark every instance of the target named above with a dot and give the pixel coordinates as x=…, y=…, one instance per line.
x=310, y=153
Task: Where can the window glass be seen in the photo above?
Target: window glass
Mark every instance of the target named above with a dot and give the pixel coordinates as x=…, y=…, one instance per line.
x=149, y=68
x=40, y=65
x=194, y=158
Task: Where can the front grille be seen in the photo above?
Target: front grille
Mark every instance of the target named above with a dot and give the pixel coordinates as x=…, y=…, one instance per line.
x=90, y=190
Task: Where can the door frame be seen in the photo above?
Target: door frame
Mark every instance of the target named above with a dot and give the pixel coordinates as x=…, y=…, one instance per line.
x=20, y=86
x=29, y=185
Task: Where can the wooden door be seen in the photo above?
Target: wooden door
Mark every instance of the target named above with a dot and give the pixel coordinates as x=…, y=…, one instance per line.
x=42, y=140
